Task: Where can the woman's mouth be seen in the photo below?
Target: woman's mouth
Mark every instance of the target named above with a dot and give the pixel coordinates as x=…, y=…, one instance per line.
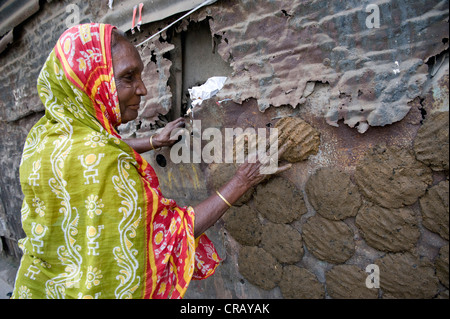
x=134, y=107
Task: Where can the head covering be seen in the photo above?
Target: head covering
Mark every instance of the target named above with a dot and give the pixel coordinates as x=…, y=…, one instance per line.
x=96, y=222
x=85, y=55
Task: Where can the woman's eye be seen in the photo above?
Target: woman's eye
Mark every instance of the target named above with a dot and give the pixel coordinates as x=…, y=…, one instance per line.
x=128, y=76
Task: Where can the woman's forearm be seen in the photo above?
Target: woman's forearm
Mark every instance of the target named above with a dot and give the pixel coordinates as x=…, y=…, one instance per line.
x=211, y=209
x=163, y=137
x=142, y=144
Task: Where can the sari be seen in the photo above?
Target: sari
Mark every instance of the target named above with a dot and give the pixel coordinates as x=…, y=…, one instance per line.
x=96, y=222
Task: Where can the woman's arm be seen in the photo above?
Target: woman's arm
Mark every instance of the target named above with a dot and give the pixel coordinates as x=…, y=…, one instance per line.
x=210, y=210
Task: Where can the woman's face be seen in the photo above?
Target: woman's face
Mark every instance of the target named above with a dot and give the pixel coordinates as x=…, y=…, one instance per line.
x=128, y=69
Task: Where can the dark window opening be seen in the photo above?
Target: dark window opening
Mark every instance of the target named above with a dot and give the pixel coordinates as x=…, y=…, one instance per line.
x=194, y=60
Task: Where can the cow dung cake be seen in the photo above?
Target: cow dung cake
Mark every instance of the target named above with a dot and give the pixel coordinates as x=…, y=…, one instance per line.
x=302, y=139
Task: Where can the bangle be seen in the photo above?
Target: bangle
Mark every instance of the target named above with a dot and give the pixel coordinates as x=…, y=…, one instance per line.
x=223, y=198
x=151, y=143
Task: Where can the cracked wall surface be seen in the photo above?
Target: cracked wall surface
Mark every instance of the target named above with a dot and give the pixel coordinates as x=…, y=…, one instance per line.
x=284, y=47
x=281, y=50
x=375, y=198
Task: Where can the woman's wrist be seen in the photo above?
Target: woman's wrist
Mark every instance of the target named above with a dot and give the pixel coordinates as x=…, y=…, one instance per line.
x=155, y=142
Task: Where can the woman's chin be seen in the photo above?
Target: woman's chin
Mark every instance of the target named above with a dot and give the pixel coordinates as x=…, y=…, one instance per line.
x=130, y=116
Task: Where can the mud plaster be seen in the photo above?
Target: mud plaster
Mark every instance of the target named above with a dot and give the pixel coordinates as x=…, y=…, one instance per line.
x=332, y=194
x=328, y=240
x=349, y=282
x=435, y=210
x=300, y=283
x=392, y=177
x=243, y=225
x=442, y=265
x=387, y=229
x=302, y=139
x=406, y=276
x=279, y=201
x=259, y=267
x=283, y=242
x=431, y=142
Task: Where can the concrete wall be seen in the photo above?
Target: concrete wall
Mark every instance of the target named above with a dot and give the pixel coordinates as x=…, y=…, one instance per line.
x=378, y=97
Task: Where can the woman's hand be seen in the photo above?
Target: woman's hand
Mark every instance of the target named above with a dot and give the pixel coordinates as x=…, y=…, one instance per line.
x=251, y=174
x=162, y=138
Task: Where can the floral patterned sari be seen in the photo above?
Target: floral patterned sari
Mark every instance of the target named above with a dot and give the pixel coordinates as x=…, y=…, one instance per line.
x=96, y=222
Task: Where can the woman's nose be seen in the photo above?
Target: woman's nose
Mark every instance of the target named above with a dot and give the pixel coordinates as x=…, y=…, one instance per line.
x=141, y=90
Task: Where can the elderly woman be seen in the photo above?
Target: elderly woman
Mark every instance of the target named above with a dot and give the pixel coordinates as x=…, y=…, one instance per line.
x=96, y=222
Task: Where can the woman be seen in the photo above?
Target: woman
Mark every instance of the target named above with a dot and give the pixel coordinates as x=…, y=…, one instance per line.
x=97, y=224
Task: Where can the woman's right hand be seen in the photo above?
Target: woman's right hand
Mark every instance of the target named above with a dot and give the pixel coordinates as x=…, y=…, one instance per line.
x=251, y=174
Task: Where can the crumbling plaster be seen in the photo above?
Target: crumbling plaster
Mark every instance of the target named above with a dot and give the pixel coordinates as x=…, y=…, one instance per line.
x=283, y=47
x=278, y=52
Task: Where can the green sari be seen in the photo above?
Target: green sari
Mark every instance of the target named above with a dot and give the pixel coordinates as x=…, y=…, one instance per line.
x=96, y=222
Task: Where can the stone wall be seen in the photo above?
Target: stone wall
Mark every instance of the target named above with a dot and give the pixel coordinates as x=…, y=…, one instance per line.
x=375, y=192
